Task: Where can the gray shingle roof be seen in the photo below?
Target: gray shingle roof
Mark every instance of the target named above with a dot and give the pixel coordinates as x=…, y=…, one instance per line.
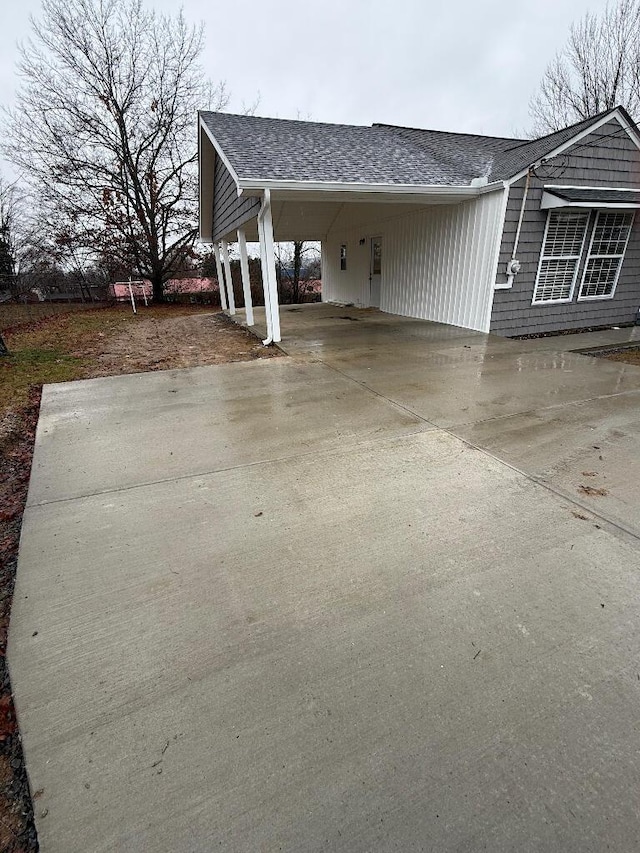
x=521, y=155
x=281, y=149
x=467, y=155
x=308, y=151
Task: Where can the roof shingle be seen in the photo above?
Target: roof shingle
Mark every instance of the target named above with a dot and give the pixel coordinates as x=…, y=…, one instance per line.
x=282, y=149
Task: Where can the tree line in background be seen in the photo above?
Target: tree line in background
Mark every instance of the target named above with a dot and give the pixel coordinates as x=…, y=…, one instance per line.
x=36, y=266
x=103, y=133
x=103, y=137
x=298, y=271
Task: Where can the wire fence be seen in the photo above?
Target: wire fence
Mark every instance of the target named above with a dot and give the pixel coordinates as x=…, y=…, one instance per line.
x=12, y=315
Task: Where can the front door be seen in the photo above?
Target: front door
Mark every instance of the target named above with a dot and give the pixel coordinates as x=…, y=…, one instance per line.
x=375, y=272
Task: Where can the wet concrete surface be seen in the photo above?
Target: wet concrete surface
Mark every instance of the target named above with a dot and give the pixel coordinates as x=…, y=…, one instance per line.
x=540, y=404
x=287, y=605
x=196, y=422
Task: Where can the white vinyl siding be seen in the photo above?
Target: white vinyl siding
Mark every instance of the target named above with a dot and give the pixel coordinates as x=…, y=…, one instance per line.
x=606, y=253
x=561, y=250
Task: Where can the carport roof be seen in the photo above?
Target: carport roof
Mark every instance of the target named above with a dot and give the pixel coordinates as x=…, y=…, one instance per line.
x=281, y=149
x=286, y=150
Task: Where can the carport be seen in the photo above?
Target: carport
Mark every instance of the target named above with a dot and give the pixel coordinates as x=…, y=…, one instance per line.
x=399, y=230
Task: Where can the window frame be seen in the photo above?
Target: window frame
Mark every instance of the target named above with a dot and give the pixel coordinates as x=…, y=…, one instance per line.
x=543, y=257
x=620, y=257
x=343, y=257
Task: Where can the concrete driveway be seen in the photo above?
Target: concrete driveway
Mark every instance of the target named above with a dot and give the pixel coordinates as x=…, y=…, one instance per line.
x=535, y=404
x=351, y=599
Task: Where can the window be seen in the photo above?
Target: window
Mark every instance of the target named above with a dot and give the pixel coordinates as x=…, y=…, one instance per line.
x=561, y=251
x=376, y=256
x=606, y=252
x=343, y=256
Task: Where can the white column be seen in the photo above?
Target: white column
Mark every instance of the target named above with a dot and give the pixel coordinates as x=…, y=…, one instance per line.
x=223, y=295
x=265, y=282
x=270, y=252
x=246, y=281
x=227, y=272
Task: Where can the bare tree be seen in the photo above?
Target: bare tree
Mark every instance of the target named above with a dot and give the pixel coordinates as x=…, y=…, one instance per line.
x=292, y=258
x=598, y=68
x=104, y=129
x=7, y=244
x=10, y=199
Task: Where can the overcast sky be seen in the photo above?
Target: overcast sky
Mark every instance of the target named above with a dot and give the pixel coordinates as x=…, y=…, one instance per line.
x=442, y=64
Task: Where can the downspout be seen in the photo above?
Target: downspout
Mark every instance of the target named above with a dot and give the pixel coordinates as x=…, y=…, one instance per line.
x=265, y=271
x=513, y=266
x=266, y=283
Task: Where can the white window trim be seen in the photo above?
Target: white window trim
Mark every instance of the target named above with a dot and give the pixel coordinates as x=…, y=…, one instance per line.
x=621, y=258
x=343, y=256
x=535, y=301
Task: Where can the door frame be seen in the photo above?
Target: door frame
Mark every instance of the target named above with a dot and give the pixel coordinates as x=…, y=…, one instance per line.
x=375, y=238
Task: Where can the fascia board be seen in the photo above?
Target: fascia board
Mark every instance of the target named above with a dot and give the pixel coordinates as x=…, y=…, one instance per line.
x=220, y=152
x=258, y=185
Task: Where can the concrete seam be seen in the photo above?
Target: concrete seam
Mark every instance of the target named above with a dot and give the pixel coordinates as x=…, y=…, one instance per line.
x=212, y=472
x=544, y=409
x=616, y=526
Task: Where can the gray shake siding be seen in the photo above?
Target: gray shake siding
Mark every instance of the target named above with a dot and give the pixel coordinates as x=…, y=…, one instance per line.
x=613, y=161
x=229, y=210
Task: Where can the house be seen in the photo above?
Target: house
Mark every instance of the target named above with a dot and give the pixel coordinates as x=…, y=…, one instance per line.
x=504, y=235
x=119, y=290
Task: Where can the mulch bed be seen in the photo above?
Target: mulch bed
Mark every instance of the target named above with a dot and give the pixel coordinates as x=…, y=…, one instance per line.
x=17, y=434
x=628, y=354
x=564, y=332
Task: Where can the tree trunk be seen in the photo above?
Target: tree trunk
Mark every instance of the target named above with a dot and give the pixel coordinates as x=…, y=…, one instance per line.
x=297, y=267
x=158, y=288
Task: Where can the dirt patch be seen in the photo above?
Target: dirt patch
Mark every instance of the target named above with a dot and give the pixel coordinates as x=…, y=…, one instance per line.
x=109, y=341
x=78, y=345
x=167, y=343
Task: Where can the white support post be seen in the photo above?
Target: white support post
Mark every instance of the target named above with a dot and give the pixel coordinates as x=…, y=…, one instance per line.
x=133, y=301
x=244, y=269
x=270, y=252
x=223, y=295
x=265, y=282
x=227, y=274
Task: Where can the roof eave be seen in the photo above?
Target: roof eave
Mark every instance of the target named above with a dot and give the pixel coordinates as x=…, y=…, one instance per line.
x=252, y=186
x=218, y=149
x=619, y=113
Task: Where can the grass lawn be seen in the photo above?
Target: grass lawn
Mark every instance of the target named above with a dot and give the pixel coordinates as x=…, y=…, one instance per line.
x=63, y=346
